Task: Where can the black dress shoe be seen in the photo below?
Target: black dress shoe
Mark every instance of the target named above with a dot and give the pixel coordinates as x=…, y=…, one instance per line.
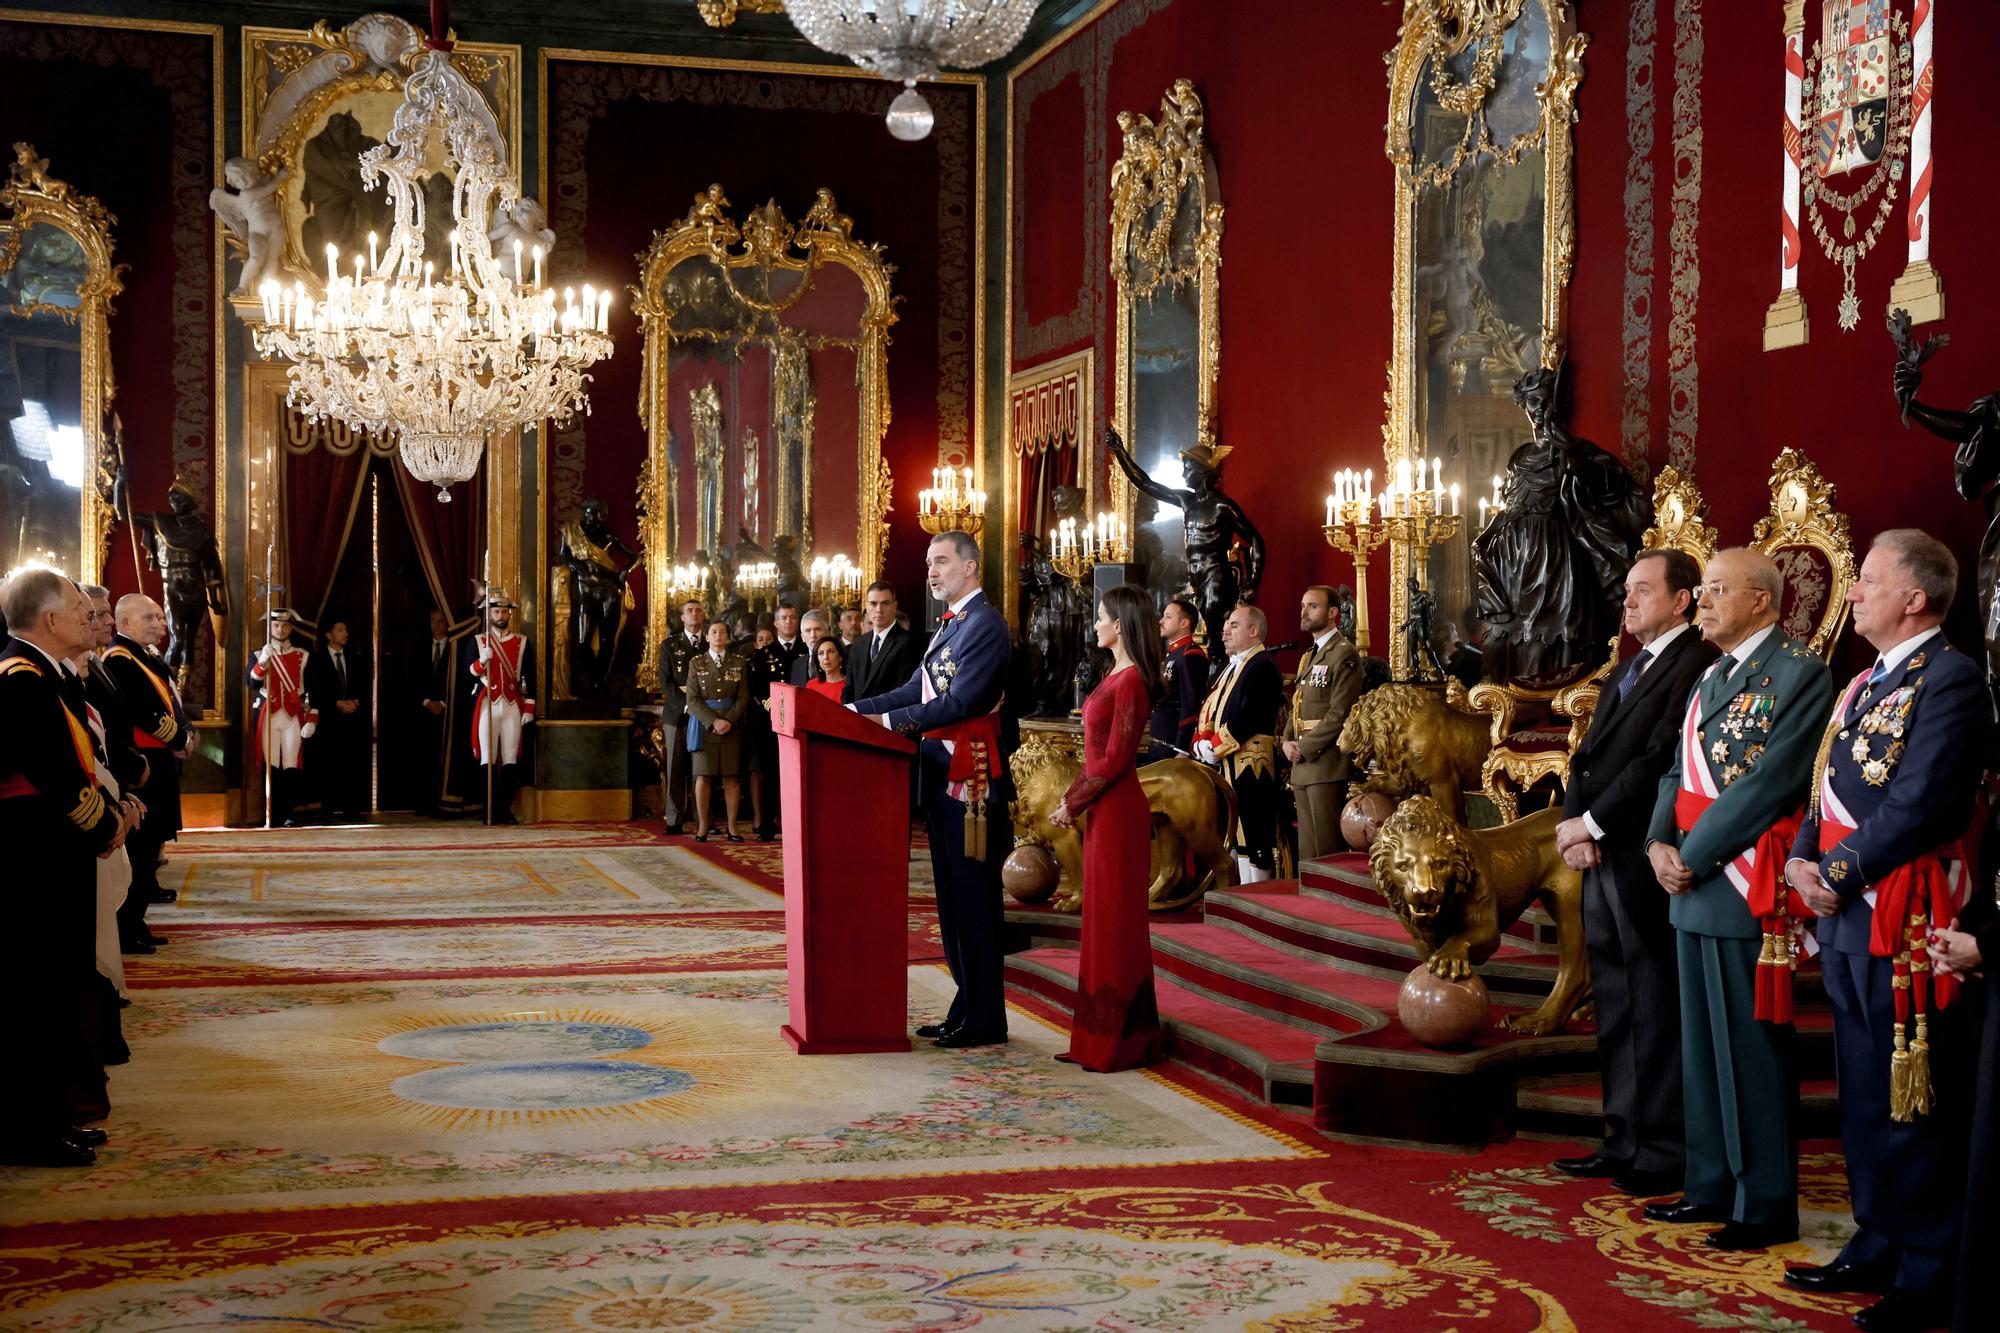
x=960, y=1038
x=1752, y=1235
x=135, y=946
x=1647, y=1184
x=1594, y=1165
x=162, y=896
x=46, y=1152
x=1905, y=1312
x=1876, y=1278
x=1682, y=1211
x=738, y=838
x=158, y=941
x=89, y=1138
x=124, y=1002
x=932, y=1031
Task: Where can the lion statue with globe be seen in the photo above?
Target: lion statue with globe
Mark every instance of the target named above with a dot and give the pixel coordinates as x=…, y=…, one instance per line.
x=1457, y=889
x=1412, y=743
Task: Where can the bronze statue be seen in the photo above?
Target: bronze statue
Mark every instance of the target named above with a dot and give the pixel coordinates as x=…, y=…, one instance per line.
x=1457, y=889
x=1551, y=566
x=1054, y=622
x=1975, y=466
x=1225, y=552
x=1419, y=647
x=599, y=596
x=180, y=544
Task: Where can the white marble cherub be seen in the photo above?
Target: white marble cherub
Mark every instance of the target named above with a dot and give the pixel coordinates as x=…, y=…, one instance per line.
x=525, y=222
x=253, y=216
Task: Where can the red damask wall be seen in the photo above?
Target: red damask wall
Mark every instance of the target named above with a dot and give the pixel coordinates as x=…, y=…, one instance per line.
x=1678, y=217
x=628, y=148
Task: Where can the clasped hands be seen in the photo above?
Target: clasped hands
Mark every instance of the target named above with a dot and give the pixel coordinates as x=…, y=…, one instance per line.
x=1955, y=953
x=1803, y=875
x=1579, y=850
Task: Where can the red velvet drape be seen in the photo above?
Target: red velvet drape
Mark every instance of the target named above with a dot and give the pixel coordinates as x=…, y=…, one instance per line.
x=451, y=539
x=1042, y=470
x=319, y=499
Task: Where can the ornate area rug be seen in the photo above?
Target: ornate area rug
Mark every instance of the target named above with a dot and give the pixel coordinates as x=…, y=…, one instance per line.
x=539, y=1088
x=411, y=835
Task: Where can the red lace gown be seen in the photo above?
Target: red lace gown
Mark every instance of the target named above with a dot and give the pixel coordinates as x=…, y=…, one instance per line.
x=1117, y=1019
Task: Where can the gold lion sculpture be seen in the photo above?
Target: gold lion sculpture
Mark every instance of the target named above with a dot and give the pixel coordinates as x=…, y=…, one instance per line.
x=1456, y=889
x=1412, y=743
x=1193, y=812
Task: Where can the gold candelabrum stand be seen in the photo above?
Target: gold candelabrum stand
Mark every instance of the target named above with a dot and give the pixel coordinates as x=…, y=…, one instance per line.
x=835, y=582
x=1352, y=530
x=1077, y=548
x=1406, y=514
x=951, y=504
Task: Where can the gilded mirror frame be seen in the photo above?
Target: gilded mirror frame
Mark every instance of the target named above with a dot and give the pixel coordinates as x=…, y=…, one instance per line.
x=1442, y=29
x=764, y=240
x=32, y=197
x=1157, y=160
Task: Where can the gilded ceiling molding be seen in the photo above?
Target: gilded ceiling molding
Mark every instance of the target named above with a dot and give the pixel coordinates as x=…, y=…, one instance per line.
x=1684, y=257
x=722, y=13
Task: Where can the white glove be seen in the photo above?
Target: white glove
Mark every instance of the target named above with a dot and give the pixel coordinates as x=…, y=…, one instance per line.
x=264, y=655
x=527, y=719
x=485, y=650
x=1204, y=750
x=306, y=732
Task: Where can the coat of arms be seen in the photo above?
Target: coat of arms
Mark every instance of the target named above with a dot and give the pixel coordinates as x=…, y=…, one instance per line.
x=1853, y=111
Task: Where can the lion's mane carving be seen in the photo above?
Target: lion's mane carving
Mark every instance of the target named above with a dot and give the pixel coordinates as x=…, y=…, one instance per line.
x=1456, y=889
x=1412, y=743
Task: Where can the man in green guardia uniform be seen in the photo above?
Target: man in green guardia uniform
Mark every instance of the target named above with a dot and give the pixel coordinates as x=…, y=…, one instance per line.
x=1741, y=771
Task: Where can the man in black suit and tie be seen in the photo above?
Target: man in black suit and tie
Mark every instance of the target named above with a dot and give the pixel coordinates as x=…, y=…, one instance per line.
x=886, y=654
x=1614, y=784
x=433, y=690
x=337, y=682
x=676, y=655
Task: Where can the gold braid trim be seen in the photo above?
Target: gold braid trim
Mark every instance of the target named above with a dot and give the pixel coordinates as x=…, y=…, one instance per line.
x=89, y=809
x=1825, y=754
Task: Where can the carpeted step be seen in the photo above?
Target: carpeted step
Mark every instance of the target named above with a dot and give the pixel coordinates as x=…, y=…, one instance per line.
x=1345, y=935
x=1575, y=1107
x=1266, y=1058
x=1248, y=973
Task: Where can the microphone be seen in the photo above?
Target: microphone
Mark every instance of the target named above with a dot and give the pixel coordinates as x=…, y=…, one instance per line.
x=1286, y=646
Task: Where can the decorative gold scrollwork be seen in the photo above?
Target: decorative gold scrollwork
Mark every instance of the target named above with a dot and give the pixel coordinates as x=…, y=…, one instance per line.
x=1808, y=538
x=722, y=13
x=1680, y=518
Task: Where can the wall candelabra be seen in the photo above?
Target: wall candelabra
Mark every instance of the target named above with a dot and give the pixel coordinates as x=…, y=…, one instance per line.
x=950, y=503
x=835, y=581
x=1353, y=526
x=1077, y=548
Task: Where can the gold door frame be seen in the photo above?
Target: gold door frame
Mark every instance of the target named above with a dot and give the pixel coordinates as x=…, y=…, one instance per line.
x=1443, y=28
x=1156, y=161
x=765, y=240
x=31, y=197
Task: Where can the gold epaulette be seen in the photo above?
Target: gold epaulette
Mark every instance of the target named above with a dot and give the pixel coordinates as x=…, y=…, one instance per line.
x=20, y=664
x=89, y=809
x=165, y=731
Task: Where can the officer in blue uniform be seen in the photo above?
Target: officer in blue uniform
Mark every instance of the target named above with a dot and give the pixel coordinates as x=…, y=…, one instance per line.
x=1898, y=772
x=953, y=698
x=1183, y=682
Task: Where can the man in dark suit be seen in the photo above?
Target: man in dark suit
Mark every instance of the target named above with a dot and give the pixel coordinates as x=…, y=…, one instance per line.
x=769, y=665
x=1614, y=782
x=1742, y=768
x=163, y=734
x=952, y=701
x=886, y=653
x=813, y=626
x=56, y=820
x=1893, y=797
x=1183, y=679
x=680, y=649
x=1235, y=732
x=432, y=666
x=337, y=683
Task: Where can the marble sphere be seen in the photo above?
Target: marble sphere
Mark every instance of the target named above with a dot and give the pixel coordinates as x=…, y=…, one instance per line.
x=1442, y=1013
x=1363, y=818
x=1029, y=874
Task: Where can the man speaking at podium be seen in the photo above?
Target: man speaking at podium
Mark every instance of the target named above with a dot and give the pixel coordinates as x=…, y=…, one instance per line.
x=953, y=702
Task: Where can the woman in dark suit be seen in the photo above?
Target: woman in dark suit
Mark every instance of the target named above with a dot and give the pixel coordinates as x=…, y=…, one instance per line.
x=1117, y=1018
x=718, y=697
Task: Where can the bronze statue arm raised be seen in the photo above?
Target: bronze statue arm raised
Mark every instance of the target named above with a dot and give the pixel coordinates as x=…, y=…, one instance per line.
x=1170, y=495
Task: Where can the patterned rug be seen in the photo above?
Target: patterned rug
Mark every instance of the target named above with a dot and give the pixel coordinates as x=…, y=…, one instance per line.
x=529, y=1087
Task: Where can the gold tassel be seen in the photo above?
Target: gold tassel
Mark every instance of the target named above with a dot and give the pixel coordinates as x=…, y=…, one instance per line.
x=1920, y=1069
x=1901, y=1108
x=975, y=830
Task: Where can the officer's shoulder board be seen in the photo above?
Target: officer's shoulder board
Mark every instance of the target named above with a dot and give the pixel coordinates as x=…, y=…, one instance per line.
x=19, y=664
x=1802, y=652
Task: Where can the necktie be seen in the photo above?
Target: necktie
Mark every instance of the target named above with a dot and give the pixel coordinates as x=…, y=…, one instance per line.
x=340, y=667
x=1724, y=665
x=1632, y=676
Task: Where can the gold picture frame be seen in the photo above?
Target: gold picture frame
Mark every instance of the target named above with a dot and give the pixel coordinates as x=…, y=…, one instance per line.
x=765, y=240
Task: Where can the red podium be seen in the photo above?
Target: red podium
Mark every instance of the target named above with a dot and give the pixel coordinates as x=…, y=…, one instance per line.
x=845, y=784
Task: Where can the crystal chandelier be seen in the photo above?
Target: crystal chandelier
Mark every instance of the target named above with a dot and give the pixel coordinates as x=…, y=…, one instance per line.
x=442, y=355
x=907, y=40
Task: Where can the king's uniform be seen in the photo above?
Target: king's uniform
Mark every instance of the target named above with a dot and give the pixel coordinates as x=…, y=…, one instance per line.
x=1741, y=771
x=1894, y=793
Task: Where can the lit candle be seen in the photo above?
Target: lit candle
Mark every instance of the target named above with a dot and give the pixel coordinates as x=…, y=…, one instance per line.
x=517, y=263
x=1482, y=513
x=1367, y=485
x=1403, y=475
x=1496, y=490
x=332, y=264
x=1454, y=499
x=1437, y=476
x=374, y=264
x=538, y=265
x=1329, y=511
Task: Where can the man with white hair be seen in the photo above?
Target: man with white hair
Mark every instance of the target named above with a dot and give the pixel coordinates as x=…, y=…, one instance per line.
x=162, y=733
x=55, y=819
x=285, y=717
x=813, y=626
x=1235, y=732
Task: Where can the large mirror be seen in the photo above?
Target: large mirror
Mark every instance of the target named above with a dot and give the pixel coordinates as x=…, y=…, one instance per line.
x=1166, y=247
x=56, y=286
x=765, y=395
x=1480, y=111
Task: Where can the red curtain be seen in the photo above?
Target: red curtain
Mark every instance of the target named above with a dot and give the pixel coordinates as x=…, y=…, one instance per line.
x=320, y=501
x=1042, y=470
x=451, y=540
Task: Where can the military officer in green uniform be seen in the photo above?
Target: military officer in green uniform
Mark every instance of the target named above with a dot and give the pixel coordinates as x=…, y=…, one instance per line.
x=1742, y=768
x=1327, y=684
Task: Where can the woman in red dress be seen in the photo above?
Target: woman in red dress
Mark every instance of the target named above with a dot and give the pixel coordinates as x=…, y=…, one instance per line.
x=829, y=675
x=1117, y=1019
